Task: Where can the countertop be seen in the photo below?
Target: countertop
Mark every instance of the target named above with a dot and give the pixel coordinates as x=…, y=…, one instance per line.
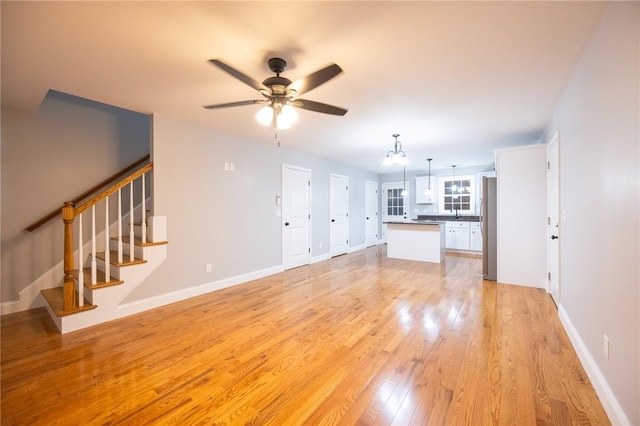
x=416, y=222
x=448, y=218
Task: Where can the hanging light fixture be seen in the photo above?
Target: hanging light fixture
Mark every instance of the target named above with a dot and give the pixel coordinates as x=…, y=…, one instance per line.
x=404, y=192
x=278, y=115
x=429, y=178
x=454, y=188
x=397, y=156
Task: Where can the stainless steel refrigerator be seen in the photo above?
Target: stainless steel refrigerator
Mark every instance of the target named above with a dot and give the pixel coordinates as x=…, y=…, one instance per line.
x=488, y=228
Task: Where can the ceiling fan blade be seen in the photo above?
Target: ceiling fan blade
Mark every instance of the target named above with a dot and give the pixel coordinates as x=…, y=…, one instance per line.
x=239, y=75
x=318, y=107
x=304, y=84
x=235, y=104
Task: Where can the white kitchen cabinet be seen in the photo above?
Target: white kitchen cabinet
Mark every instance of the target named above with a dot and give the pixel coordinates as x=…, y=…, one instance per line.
x=475, y=236
x=424, y=195
x=457, y=235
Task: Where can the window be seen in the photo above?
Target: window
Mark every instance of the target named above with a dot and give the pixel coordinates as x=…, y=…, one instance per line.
x=457, y=196
x=395, y=202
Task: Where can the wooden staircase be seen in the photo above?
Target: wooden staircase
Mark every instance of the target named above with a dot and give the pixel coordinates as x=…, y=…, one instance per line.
x=114, y=267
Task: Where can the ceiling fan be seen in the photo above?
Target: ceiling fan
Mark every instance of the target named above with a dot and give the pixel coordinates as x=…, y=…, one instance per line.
x=281, y=94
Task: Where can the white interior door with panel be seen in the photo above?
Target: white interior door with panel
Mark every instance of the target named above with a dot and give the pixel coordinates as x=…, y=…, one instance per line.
x=339, y=214
x=371, y=213
x=296, y=216
x=395, y=207
x=553, y=221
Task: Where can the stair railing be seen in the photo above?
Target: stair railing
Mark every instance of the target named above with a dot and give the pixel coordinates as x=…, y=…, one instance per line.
x=70, y=212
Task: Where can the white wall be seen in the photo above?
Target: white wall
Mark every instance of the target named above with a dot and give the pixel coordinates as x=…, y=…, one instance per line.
x=229, y=219
x=49, y=156
x=522, y=215
x=598, y=122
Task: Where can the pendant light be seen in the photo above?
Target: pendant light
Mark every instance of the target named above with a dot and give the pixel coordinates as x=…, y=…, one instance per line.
x=404, y=192
x=429, y=178
x=454, y=189
x=397, y=156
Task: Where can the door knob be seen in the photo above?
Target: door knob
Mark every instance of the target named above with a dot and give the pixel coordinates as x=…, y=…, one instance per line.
x=286, y=224
x=554, y=237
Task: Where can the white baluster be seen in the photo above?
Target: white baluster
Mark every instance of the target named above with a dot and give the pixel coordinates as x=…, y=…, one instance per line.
x=119, y=226
x=80, y=263
x=131, y=219
x=107, y=252
x=144, y=211
x=94, y=265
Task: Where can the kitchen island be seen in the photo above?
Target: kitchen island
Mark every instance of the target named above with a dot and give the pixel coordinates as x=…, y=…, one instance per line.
x=416, y=240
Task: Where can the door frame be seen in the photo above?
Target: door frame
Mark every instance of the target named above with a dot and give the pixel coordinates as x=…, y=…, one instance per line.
x=383, y=203
x=283, y=200
x=347, y=219
x=376, y=199
x=553, y=148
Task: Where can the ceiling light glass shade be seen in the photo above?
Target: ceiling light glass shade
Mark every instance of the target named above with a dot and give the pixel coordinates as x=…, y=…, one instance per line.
x=286, y=117
x=282, y=118
x=265, y=115
x=404, y=193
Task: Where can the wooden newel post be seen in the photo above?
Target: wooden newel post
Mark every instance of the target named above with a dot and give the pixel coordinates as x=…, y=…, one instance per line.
x=69, y=289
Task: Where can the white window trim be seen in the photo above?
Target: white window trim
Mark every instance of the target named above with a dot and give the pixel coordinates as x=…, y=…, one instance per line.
x=472, y=193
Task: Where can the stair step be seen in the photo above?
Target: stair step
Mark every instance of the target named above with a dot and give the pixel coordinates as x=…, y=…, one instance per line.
x=138, y=241
x=113, y=259
x=100, y=279
x=55, y=299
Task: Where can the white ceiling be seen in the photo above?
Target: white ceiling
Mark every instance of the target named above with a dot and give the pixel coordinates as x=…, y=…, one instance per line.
x=455, y=79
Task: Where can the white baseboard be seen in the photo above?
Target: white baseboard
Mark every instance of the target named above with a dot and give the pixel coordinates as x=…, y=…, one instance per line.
x=356, y=248
x=320, y=258
x=28, y=296
x=607, y=397
x=137, y=306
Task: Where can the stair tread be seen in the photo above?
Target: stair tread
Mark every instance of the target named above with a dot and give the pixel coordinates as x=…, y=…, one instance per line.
x=113, y=259
x=55, y=299
x=138, y=241
x=100, y=279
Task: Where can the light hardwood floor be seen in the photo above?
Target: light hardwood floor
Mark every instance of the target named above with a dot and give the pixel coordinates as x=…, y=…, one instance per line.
x=359, y=339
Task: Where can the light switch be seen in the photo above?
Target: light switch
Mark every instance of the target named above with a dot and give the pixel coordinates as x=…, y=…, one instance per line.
x=232, y=167
x=226, y=166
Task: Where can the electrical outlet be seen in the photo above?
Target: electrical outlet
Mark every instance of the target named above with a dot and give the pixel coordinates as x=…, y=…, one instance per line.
x=605, y=346
x=207, y=267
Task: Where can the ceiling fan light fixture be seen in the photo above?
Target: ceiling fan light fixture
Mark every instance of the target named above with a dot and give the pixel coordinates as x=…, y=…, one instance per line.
x=286, y=117
x=265, y=115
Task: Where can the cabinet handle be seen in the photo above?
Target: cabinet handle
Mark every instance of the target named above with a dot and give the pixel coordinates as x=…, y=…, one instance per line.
x=554, y=237
x=286, y=224
x=333, y=220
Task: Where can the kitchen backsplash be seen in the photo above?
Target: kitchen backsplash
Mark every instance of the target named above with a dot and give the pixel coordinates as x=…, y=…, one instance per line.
x=445, y=217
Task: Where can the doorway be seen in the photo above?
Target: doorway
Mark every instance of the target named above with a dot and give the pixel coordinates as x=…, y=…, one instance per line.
x=296, y=216
x=553, y=221
x=339, y=214
x=370, y=213
x=395, y=206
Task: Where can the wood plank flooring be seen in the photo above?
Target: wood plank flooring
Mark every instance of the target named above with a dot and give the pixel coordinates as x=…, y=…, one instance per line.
x=356, y=340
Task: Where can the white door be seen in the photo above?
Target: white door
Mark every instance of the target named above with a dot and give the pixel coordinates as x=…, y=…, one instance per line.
x=371, y=213
x=553, y=222
x=338, y=214
x=395, y=207
x=296, y=219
